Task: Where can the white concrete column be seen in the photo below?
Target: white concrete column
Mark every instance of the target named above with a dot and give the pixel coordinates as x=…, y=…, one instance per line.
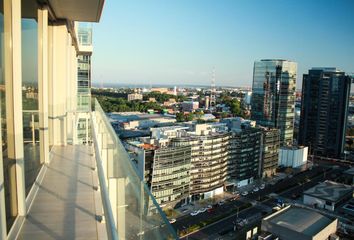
x=13, y=88
x=50, y=85
x=43, y=84
x=120, y=207
x=58, y=83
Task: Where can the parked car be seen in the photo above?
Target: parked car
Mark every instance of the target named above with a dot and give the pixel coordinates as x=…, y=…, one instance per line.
x=209, y=207
x=262, y=186
x=194, y=213
x=221, y=203
x=210, y=210
x=202, y=210
x=173, y=220
x=256, y=189
x=244, y=193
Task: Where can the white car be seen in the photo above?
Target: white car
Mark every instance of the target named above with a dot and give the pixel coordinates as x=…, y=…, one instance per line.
x=262, y=186
x=194, y=213
x=202, y=210
x=256, y=189
x=244, y=193
x=209, y=207
x=173, y=220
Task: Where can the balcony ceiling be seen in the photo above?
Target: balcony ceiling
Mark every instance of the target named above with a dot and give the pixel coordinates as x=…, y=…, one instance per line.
x=77, y=10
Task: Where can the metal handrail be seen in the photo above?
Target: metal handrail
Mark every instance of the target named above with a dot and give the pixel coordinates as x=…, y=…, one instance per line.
x=112, y=232
x=129, y=167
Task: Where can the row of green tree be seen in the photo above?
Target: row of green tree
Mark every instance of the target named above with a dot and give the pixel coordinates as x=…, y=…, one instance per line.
x=112, y=104
x=163, y=97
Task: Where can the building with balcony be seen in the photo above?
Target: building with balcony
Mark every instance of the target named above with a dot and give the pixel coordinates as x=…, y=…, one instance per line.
x=165, y=171
x=54, y=187
x=209, y=158
x=273, y=96
x=270, y=151
x=244, y=151
x=324, y=111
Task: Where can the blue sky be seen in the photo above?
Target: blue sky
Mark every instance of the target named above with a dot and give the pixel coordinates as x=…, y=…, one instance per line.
x=180, y=41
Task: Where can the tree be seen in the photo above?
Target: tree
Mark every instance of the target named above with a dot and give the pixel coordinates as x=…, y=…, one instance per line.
x=180, y=117
x=189, y=117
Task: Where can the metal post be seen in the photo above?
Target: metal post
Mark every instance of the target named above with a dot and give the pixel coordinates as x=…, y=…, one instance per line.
x=33, y=131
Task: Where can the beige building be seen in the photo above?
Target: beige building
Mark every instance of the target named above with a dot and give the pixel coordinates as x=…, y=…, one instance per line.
x=135, y=96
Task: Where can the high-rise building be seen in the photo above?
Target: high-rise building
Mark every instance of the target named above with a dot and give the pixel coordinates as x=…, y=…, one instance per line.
x=324, y=104
x=52, y=186
x=273, y=96
x=84, y=35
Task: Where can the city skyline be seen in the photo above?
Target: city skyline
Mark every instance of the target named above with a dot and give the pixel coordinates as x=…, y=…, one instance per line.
x=180, y=42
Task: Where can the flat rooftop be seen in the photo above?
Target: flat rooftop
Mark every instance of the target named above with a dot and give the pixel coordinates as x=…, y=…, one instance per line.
x=350, y=171
x=330, y=191
x=135, y=116
x=300, y=220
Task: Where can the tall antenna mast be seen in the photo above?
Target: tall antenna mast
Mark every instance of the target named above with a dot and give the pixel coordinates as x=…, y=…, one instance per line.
x=213, y=90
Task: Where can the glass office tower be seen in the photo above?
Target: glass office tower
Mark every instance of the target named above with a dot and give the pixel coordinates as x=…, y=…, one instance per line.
x=273, y=96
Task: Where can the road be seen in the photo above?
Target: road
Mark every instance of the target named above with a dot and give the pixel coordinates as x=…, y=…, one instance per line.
x=226, y=225
x=285, y=189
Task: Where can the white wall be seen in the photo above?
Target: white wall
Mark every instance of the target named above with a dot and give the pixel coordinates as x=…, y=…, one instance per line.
x=293, y=157
x=309, y=200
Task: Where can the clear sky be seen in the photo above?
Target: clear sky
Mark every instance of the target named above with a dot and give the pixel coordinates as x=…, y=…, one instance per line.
x=180, y=41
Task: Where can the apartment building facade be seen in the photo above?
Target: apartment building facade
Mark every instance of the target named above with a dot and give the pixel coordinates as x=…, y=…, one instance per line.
x=324, y=111
x=270, y=151
x=244, y=156
x=165, y=171
x=209, y=158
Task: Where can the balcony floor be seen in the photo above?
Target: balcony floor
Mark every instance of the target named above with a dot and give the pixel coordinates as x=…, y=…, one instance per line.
x=65, y=207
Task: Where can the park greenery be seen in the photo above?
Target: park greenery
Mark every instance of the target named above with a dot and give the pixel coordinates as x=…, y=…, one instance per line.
x=112, y=101
x=112, y=104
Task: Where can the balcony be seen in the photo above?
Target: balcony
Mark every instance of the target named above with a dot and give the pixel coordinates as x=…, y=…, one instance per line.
x=93, y=192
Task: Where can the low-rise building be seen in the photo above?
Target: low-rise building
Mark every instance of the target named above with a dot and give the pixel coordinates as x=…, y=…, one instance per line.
x=295, y=223
x=138, y=120
x=328, y=195
x=293, y=156
x=134, y=96
x=348, y=176
x=189, y=106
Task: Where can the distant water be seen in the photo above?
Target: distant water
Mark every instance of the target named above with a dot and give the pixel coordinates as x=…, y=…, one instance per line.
x=127, y=85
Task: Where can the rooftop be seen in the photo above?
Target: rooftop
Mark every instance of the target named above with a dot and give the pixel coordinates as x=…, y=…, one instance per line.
x=350, y=171
x=329, y=190
x=135, y=116
x=326, y=69
x=300, y=220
